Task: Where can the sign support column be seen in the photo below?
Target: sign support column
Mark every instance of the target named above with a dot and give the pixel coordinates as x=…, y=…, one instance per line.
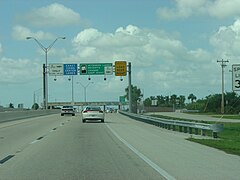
x=44, y=86
x=130, y=86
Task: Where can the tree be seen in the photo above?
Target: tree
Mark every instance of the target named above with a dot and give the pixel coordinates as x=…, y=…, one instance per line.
x=11, y=105
x=161, y=100
x=173, y=99
x=167, y=100
x=136, y=97
x=182, y=101
x=192, y=97
x=35, y=106
x=232, y=103
x=147, y=102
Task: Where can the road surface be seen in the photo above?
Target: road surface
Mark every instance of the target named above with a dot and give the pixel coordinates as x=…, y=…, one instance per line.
x=55, y=147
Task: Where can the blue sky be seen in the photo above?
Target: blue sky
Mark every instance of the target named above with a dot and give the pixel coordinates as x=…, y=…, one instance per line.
x=173, y=46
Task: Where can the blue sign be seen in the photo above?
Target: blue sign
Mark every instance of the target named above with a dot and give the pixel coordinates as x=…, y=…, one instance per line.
x=70, y=69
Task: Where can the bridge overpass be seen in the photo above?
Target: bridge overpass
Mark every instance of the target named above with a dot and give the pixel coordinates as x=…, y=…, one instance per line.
x=103, y=103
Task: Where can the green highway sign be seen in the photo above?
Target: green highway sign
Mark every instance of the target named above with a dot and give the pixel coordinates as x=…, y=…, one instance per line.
x=96, y=69
x=122, y=99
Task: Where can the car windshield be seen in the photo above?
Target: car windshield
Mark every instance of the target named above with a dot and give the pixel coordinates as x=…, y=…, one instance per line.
x=119, y=89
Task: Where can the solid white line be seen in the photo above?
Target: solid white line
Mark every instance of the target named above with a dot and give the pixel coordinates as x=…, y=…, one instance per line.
x=143, y=157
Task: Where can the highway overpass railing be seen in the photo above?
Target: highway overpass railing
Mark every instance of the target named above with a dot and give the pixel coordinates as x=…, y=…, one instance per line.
x=17, y=115
x=181, y=126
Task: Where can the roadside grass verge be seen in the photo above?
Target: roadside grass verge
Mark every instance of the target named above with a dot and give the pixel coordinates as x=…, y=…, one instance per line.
x=228, y=141
x=227, y=116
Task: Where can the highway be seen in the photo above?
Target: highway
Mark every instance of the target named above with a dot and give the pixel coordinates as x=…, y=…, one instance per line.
x=55, y=147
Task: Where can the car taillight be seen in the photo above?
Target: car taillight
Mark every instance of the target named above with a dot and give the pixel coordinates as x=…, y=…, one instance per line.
x=85, y=111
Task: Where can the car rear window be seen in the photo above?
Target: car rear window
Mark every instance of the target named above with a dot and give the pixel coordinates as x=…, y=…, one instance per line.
x=93, y=109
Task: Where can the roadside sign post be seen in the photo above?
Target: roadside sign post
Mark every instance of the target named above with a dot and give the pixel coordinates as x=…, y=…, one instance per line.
x=236, y=77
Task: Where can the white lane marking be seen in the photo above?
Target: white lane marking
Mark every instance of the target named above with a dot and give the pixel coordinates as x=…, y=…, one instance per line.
x=35, y=141
x=143, y=157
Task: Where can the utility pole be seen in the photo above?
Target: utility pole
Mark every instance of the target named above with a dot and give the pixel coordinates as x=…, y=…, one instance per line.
x=223, y=65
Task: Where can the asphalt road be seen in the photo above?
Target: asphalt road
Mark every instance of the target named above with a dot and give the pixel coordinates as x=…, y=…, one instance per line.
x=55, y=147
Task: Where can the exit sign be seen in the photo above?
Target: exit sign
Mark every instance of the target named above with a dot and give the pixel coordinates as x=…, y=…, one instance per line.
x=96, y=69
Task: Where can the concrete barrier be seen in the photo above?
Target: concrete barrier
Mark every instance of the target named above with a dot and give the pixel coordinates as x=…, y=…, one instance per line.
x=16, y=115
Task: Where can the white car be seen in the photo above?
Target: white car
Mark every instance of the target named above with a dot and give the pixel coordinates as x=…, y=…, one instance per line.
x=67, y=110
x=93, y=113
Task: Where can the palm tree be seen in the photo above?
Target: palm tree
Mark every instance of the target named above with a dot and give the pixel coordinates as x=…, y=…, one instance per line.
x=136, y=97
x=173, y=99
x=192, y=97
x=182, y=100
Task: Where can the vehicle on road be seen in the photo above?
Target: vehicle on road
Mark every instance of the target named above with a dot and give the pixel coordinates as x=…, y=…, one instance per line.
x=67, y=110
x=93, y=113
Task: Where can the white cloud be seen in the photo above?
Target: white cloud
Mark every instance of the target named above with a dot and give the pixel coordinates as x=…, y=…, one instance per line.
x=141, y=46
x=20, y=33
x=223, y=8
x=51, y=16
x=187, y=8
x=226, y=41
x=158, y=59
x=18, y=71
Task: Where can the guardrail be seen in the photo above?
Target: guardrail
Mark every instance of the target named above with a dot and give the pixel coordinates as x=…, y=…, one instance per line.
x=183, y=126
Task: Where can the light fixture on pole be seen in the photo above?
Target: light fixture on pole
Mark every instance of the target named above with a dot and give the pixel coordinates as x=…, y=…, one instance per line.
x=45, y=78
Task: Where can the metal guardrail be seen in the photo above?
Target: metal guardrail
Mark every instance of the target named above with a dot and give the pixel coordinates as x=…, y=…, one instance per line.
x=183, y=126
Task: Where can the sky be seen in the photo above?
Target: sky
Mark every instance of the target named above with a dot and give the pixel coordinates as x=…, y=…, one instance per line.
x=173, y=46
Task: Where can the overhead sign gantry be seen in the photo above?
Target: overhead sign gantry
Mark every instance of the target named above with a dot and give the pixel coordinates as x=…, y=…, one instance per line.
x=120, y=69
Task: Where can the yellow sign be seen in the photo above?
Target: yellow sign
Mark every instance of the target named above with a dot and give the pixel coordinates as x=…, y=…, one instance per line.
x=120, y=68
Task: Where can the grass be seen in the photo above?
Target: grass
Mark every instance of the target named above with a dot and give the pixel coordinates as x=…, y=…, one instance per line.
x=229, y=138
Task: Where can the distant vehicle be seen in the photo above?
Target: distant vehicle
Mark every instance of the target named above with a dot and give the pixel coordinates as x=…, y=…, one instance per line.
x=67, y=110
x=110, y=110
x=93, y=113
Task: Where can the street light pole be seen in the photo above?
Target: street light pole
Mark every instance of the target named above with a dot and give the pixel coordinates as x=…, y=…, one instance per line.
x=45, y=77
x=34, y=95
x=85, y=90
